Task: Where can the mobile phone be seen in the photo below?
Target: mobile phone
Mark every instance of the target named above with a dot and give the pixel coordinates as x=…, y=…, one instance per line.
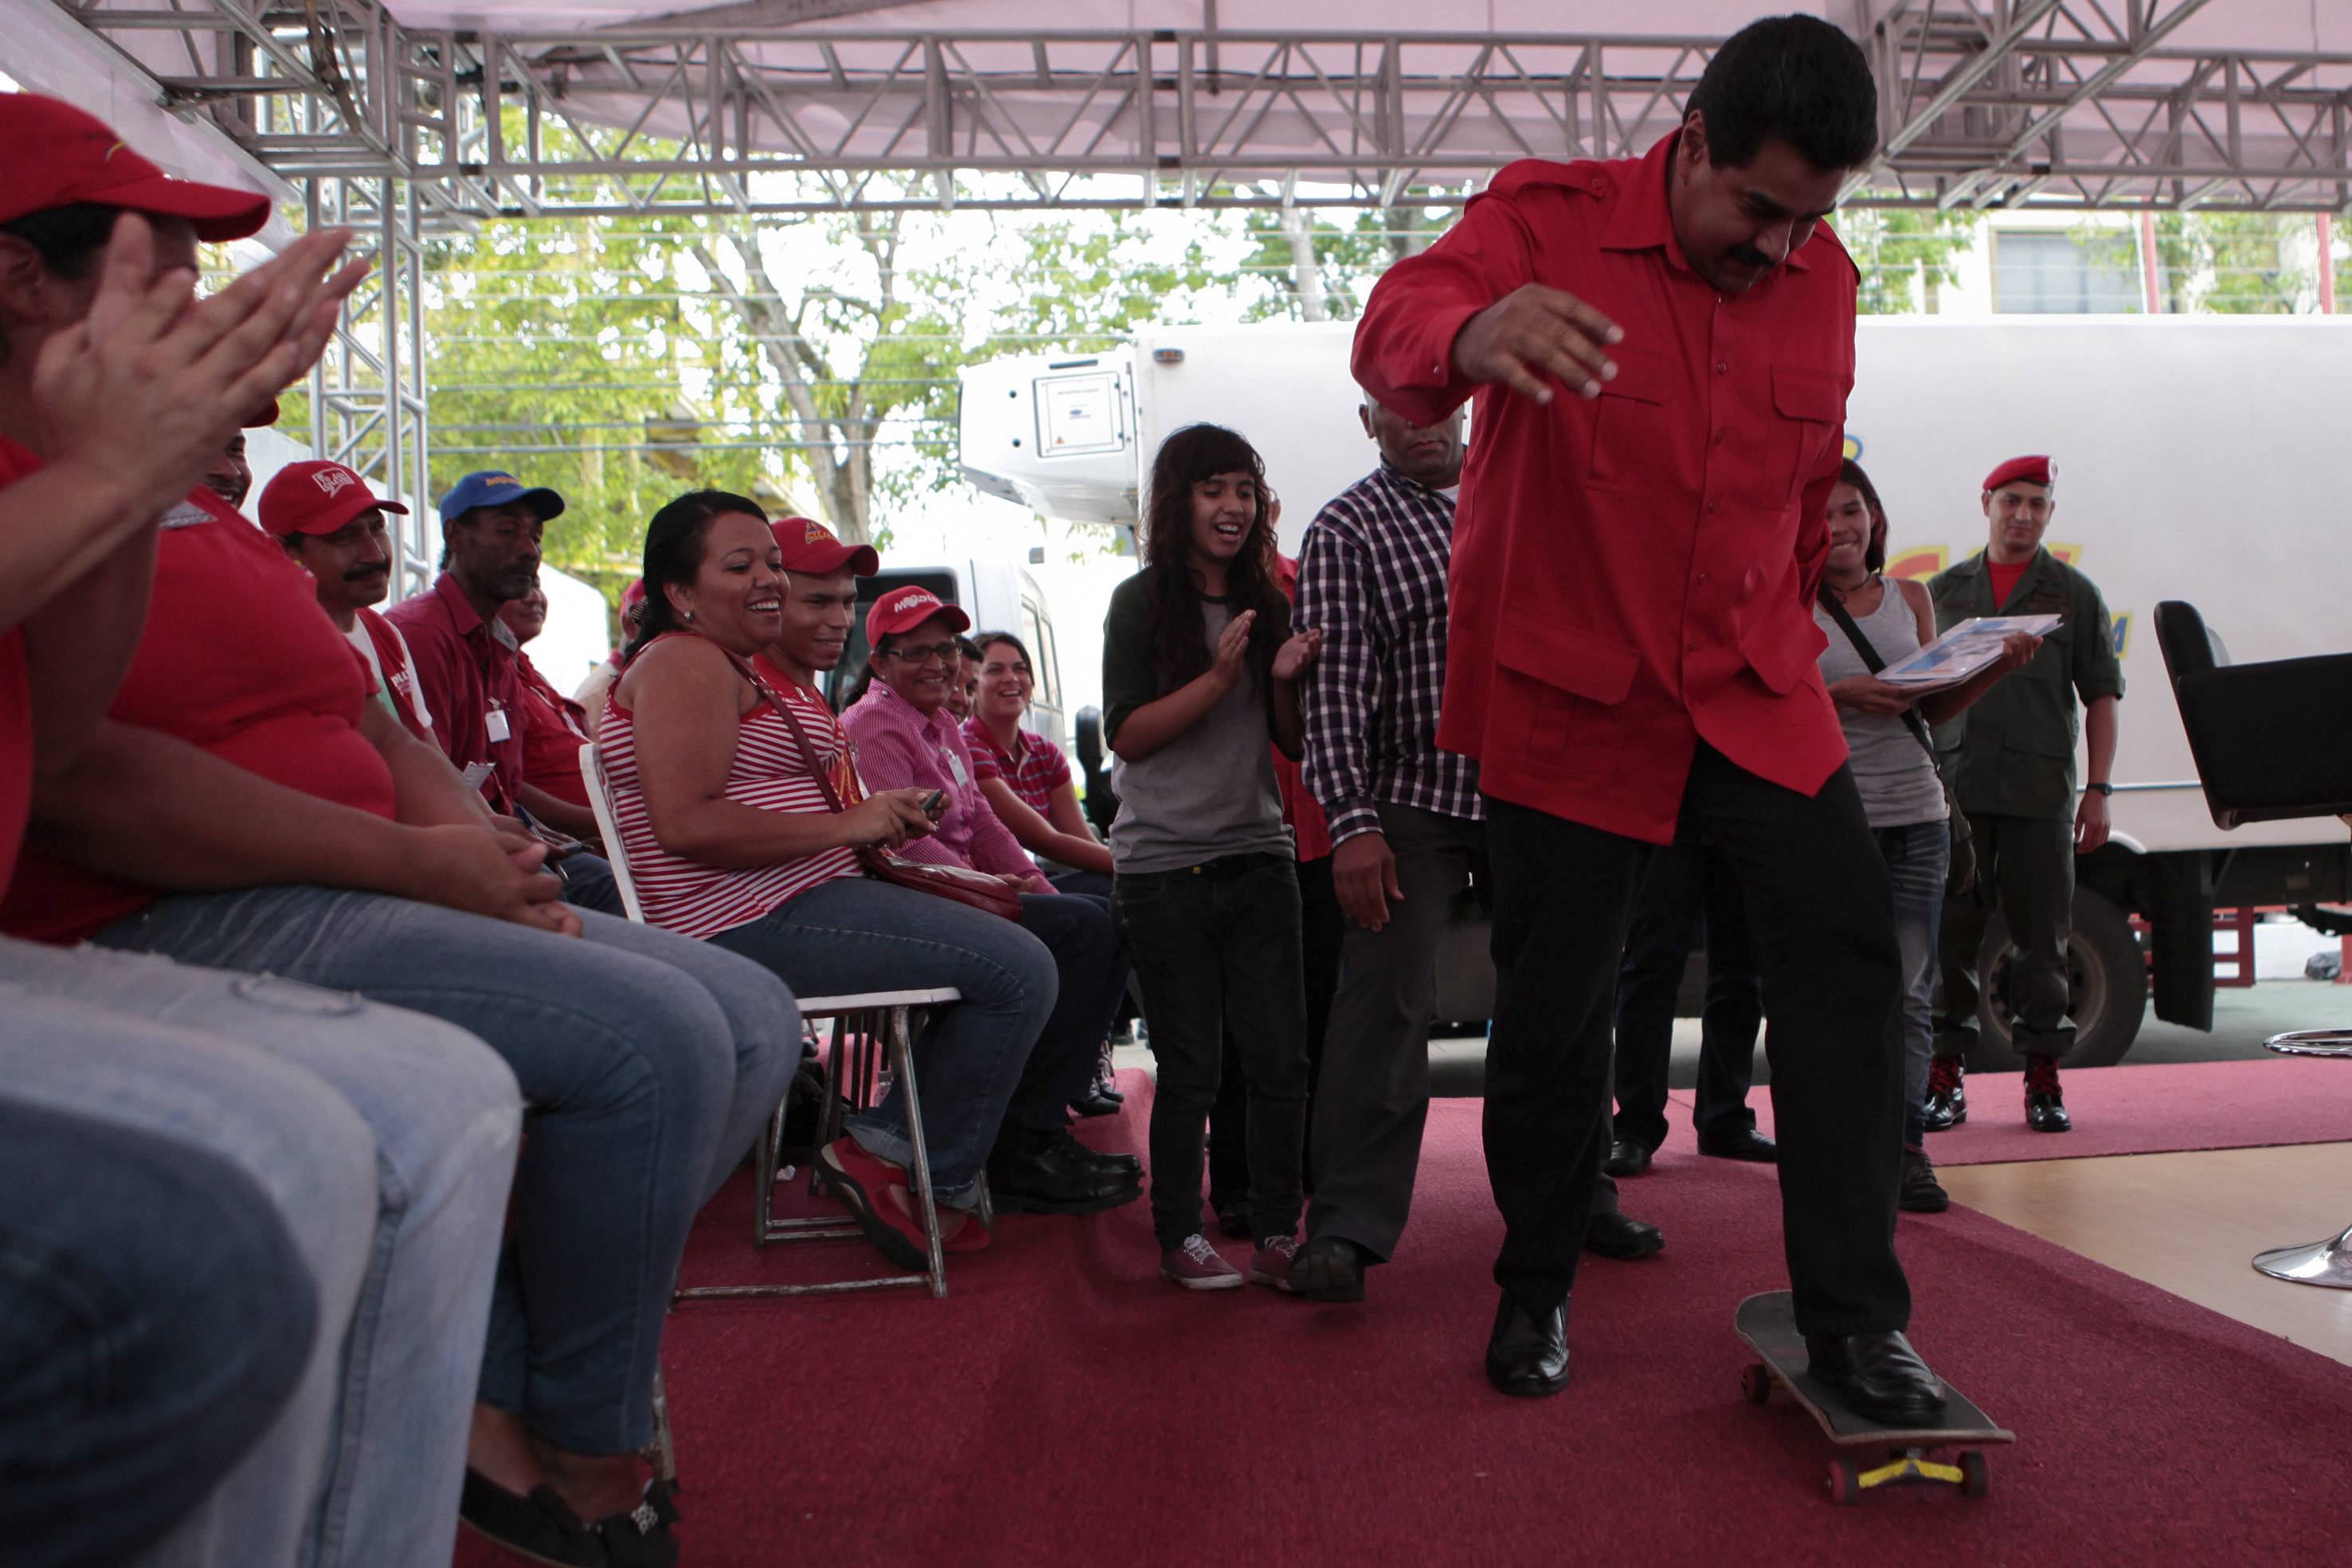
x=934, y=803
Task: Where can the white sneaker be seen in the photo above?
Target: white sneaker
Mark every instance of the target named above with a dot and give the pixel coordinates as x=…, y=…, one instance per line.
x=1197, y=1266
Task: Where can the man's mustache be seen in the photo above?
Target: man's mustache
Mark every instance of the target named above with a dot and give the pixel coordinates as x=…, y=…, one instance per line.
x=361, y=573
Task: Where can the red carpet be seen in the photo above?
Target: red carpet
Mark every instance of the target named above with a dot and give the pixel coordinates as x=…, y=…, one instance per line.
x=1063, y=1406
x=2160, y=1108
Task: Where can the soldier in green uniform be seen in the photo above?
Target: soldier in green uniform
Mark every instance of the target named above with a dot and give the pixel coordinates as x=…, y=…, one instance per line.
x=2011, y=760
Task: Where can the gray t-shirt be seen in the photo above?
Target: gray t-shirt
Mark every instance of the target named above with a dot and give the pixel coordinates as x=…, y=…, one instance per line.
x=1205, y=795
x=1892, y=771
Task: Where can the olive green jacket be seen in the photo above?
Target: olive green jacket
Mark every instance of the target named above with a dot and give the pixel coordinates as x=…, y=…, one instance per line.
x=2013, y=752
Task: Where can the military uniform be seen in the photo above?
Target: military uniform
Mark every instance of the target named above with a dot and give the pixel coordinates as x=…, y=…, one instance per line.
x=2010, y=761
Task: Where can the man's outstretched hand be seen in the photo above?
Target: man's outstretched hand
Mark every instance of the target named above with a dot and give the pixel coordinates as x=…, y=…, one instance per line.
x=1533, y=336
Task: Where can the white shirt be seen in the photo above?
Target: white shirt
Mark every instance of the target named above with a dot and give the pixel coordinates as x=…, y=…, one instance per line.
x=358, y=638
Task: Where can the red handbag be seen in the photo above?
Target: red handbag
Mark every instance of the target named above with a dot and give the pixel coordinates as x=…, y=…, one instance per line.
x=990, y=895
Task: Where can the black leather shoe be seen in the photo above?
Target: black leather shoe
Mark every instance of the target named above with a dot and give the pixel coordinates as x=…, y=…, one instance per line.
x=1111, y=1164
x=1627, y=1158
x=1879, y=1375
x=1095, y=1103
x=2045, y=1105
x=1527, y=1354
x=1330, y=1269
x=1623, y=1236
x=1031, y=1173
x=1747, y=1145
x=1948, y=1095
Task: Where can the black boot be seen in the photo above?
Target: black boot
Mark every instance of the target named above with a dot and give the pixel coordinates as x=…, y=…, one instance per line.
x=2045, y=1106
x=1948, y=1094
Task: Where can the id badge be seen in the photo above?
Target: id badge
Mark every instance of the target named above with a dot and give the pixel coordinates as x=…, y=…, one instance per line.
x=497, y=726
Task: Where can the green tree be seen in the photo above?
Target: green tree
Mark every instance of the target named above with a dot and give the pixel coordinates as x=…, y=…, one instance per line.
x=1904, y=255
x=2223, y=263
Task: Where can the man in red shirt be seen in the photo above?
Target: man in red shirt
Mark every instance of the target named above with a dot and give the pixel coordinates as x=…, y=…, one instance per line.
x=555, y=730
x=490, y=528
x=331, y=526
x=1660, y=349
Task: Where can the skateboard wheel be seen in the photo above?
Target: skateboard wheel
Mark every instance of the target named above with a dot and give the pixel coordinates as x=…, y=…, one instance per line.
x=1755, y=1383
x=1845, y=1483
x=1976, y=1476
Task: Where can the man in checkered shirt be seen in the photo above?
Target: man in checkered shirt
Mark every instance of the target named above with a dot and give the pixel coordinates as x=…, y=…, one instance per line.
x=1409, y=833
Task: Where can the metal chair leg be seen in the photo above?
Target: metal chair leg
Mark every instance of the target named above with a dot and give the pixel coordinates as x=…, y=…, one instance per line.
x=2327, y=1263
x=902, y=1061
x=662, y=1453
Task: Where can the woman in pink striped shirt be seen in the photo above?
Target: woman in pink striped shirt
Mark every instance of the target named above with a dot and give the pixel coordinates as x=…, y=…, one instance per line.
x=722, y=799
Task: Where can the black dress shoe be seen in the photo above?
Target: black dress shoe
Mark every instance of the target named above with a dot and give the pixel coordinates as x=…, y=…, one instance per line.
x=1627, y=1158
x=1527, y=1354
x=1747, y=1145
x=1879, y=1375
x=1623, y=1236
x=1095, y=1103
x=1032, y=1173
x=1110, y=1162
x=1330, y=1269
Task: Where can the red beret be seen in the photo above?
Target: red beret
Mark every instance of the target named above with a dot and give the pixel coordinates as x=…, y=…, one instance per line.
x=2035, y=470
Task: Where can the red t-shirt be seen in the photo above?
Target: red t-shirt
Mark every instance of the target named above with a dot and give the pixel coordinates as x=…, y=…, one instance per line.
x=237, y=659
x=15, y=705
x=2004, y=579
x=552, y=739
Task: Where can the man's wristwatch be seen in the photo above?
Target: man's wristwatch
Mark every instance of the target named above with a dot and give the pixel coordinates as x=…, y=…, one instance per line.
x=2098, y=789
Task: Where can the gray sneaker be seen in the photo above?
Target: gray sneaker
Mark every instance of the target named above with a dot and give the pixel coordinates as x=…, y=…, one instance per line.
x=1197, y=1266
x=1921, y=1193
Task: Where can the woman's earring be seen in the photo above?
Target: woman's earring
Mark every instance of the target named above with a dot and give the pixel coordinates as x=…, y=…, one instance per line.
x=688, y=617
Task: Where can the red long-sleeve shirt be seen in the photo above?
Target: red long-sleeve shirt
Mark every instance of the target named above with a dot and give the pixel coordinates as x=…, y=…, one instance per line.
x=1633, y=573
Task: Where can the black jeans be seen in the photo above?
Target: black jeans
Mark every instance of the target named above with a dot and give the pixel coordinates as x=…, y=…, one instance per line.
x=1320, y=927
x=1216, y=947
x=1689, y=896
x=1824, y=920
x=2026, y=866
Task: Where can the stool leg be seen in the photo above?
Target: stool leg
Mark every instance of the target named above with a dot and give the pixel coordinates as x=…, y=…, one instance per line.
x=2327, y=1263
x=661, y=1451
x=763, y=1175
x=902, y=1062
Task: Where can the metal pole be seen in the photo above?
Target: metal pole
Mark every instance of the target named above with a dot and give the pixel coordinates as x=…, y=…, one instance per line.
x=2153, y=298
x=2327, y=263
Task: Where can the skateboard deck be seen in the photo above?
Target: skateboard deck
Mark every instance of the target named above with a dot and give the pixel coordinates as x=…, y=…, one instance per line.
x=1767, y=1322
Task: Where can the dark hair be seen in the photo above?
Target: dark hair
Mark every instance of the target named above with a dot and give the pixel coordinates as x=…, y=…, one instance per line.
x=1798, y=78
x=674, y=554
x=1176, y=630
x=1873, y=554
x=967, y=647
x=987, y=640
x=68, y=238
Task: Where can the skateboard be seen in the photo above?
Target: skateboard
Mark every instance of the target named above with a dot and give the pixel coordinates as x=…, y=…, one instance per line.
x=1768, y=1324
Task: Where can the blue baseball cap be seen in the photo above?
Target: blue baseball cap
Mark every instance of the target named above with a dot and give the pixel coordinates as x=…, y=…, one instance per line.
x=496, y=489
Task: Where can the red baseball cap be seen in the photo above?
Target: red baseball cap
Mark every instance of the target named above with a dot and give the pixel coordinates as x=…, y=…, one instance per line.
x=632, y=597
x=2035, y=470
x=810, y=547
x=315, y=499
x=54, y=155
x=904, y=609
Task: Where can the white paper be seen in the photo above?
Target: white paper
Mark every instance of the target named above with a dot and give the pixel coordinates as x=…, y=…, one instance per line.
x=1966, y=649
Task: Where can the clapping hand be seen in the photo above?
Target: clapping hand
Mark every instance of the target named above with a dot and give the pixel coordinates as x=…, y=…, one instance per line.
x=1301, y=650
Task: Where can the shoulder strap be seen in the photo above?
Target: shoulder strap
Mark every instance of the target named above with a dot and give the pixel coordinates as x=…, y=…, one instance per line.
x=1862, y=646
x=783, y=710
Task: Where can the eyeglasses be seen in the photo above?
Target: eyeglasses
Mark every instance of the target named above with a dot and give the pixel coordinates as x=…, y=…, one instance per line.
x=942, y=651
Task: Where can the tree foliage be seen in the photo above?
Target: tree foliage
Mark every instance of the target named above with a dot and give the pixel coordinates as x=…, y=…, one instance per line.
x=1904, y=255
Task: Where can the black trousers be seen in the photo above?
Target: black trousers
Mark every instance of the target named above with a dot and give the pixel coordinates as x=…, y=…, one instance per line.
x=2026, y=866
x=1216, y=947
x=1689, y=896
x=1320, y=926
x=1818, y=892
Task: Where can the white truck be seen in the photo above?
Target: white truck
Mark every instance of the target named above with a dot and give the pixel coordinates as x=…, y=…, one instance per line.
x=2201, y=458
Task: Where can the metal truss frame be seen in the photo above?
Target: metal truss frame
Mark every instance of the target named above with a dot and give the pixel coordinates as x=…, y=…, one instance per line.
x=2070, y=104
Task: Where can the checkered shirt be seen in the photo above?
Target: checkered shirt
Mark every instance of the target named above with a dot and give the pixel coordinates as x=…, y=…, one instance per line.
x=1371, y=578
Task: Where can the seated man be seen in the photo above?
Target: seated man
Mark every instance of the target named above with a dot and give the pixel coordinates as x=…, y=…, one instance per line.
x=267, y=1214
x=331, y=526
x=554, y=730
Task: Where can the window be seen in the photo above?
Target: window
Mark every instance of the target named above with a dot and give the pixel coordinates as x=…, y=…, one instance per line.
x=2043, y=274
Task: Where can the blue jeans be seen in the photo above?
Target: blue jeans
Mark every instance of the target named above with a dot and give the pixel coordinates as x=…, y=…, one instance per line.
x=854, y=933
x=648, y=1062
x=1917, y=855
x=385, y=1140
x=1090, y=981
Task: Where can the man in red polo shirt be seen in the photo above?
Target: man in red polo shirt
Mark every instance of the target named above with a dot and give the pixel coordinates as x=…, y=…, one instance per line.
x=331, y=526
x=490, y=528
x=553, y=790
x=1660, y=350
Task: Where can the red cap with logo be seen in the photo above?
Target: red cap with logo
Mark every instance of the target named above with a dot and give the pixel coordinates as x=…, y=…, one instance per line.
x=54, y=155
x=810, y=547
x=904, y=609
x=315, y=499
x=2035, y=470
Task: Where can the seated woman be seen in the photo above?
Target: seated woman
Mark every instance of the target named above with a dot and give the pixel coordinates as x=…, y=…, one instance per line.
x=1024, y=776
x=725, y=788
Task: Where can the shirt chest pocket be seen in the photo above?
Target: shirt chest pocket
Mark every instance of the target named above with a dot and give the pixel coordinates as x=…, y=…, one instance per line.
x=1630, y=445
x=1808, y=407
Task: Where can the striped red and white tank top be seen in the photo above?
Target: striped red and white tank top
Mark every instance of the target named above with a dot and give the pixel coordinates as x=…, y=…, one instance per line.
x=769, y=773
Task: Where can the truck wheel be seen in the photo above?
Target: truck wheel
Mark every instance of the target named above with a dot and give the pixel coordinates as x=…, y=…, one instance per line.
x=2110, y=988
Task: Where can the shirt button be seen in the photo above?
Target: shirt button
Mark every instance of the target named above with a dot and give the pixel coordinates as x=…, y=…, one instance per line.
x=1702, y=580
x=1723, y=367
x=1719, y=435
x=1713, y=508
